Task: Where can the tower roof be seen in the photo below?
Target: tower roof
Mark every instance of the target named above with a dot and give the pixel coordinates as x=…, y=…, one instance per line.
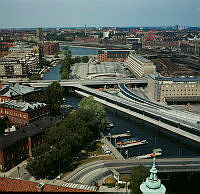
x=153, y=183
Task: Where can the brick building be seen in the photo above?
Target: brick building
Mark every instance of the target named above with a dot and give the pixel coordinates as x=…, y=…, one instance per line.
x=18, y=145
x=113, y=55
x=19, y=92
x=51, y=48
x=21, y=113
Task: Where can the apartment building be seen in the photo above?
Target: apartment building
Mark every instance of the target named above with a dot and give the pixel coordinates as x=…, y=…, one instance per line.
x=19, y=92
x=21, y=113
x=140, y=66
x=18, y=64
x=17, y=146
x=173, y=89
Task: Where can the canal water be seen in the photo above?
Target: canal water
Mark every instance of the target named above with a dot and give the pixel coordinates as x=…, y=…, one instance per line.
x=171, y=147
x=81, y=51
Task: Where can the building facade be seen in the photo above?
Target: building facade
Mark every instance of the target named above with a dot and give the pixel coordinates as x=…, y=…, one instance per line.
x=114, y=55
x=22, y=113
x=140, y=66
x=51, y=48
x=182, y=89
x=18, y=64
x=17, y=146
x=19, y=92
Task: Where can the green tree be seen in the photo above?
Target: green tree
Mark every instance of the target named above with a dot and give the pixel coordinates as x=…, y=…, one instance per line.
x=85, y=59
x=35, y=77
x=88, y=103
x=53, y=96
x=61, y=142
x=44, y=63
x=138, y=175
x=3, y=126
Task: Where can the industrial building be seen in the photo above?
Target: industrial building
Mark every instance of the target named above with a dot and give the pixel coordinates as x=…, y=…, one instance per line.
x=140, y=66
x=173, y=89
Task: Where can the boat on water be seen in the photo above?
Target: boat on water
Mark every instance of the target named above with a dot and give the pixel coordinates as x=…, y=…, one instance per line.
x=130, y=142
x=156, y=152
x=115, y=136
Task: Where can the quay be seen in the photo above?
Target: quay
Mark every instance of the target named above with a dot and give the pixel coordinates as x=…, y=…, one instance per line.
x=114, y=151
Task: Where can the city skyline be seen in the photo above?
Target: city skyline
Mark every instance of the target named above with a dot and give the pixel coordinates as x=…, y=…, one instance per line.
x=96, y=13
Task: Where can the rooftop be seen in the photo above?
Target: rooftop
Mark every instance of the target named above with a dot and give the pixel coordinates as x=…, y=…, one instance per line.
x=27, y=131
x=140, y=58
x=22, y=106
x=175, y=79
x=17, y=185
x=16, y=90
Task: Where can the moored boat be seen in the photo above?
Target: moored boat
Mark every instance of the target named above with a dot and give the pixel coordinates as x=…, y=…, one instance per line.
x=156, y=152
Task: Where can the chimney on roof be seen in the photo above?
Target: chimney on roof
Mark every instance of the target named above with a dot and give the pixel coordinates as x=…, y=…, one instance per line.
x=40, y=187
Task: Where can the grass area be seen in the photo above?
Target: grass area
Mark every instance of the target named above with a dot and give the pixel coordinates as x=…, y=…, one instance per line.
x=88, y=160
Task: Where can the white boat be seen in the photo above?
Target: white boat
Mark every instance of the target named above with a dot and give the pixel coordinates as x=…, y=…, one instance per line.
x=156, y=152
x=131, y=144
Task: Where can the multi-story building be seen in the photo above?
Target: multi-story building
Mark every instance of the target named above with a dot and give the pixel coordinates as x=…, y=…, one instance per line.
x=21, y=113
x=17, y=146
x=19, y=92
x=140, y=66
x=18, y=64
x=173, y=89
x=113, y=55
x=51, y=48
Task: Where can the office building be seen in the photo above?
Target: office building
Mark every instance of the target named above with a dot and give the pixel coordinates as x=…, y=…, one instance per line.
x=173, y=89
x=140, y=66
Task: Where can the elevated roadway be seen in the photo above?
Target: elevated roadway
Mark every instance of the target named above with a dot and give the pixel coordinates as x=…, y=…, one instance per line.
x=85, y=82
x=183, y=124
x=95, y=171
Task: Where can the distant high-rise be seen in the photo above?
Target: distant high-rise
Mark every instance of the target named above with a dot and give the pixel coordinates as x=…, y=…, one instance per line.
x=39, y=33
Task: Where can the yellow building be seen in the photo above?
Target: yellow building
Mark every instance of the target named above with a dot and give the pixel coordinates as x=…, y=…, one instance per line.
x=173, y=89
x=140, y=66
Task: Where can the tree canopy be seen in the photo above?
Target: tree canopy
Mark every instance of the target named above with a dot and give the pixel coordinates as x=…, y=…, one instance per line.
x=61, y=142
x=138, y=175
x=88, y=103
x=53, y=96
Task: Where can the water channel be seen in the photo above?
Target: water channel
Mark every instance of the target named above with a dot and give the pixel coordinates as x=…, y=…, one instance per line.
x=171, y=147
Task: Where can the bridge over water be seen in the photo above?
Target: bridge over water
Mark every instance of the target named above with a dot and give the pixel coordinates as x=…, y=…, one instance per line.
x=174, y=121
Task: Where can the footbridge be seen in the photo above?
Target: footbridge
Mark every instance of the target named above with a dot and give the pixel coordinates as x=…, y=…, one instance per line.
x=180, y=123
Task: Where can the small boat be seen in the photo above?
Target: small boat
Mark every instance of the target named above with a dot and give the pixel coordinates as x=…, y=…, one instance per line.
x=131, y=142
x=115, y=136
x=156, y=152
x=128, y=141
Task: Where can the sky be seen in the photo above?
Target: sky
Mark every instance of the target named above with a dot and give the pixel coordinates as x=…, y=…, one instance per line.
x=98, y=13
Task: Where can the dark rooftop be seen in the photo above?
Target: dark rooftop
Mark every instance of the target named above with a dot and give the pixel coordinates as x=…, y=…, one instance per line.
x=27, y=131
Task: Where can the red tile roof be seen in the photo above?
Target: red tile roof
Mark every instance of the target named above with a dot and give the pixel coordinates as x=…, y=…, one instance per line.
x=16, y=185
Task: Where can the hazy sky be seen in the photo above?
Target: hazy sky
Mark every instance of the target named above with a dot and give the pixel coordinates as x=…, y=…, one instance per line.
x=65, y=13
